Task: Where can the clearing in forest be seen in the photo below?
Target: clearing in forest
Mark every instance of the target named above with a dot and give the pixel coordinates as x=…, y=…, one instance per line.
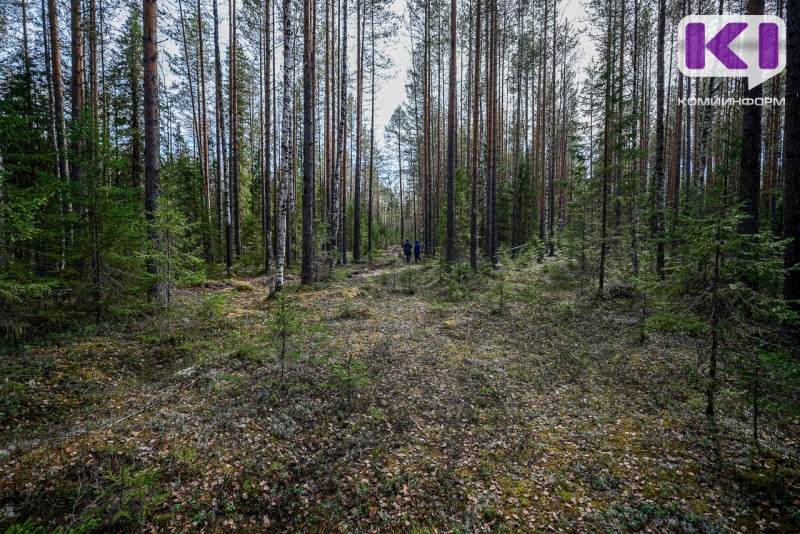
x=408, y=402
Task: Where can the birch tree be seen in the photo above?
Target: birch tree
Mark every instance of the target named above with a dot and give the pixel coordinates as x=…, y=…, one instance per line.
x=286, y=132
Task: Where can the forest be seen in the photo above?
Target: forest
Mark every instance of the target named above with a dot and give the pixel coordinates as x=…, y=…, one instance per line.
x=397, y=265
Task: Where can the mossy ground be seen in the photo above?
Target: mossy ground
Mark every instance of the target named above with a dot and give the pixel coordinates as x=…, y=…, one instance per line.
x=433, y=409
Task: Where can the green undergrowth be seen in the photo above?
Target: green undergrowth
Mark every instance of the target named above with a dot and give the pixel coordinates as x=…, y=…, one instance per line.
x=391, y=398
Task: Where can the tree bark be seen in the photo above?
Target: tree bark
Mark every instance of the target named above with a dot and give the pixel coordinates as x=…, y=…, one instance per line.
x=187, y=63
x=233, y=109
x=58, y=89
x=223, y=190
x=473, y=224
x=493, y=104
x=51, y=126
x=204, y=114
x=136, y=134
x=426, y=135
x=451, y=143
x=659, y=166
x=77, y=92
x=400, y=179
x=338, y=163
x=371, y=136
x=359, y=108
x=26, y=60
x=791, y=163
x=308, y=147
x=94, y=92
x=265, y=183
x=750, y=165
x=552, y=174
x=606, y=159
x=286, y=132
x=152, y=163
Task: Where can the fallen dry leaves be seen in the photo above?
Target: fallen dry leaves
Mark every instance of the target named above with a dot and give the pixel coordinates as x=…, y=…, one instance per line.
x=546, y=417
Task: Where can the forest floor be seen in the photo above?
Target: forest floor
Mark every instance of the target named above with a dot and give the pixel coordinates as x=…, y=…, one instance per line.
x=443, y=408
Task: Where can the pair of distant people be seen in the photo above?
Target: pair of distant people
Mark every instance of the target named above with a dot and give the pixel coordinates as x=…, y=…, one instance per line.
x=407, y=247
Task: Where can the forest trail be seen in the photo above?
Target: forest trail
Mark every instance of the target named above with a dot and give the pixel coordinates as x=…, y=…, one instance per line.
x=400, y=410
x=144, y=152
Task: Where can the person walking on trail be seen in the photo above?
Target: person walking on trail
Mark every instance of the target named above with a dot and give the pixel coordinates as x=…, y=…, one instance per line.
x=407, y=250
x=417, y=249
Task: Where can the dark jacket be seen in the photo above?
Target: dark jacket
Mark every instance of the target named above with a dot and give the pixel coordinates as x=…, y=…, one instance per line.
x=407, y=249
x=417, y=247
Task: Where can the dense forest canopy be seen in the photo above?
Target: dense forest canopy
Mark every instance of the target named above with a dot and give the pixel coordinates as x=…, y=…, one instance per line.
x=149, y=148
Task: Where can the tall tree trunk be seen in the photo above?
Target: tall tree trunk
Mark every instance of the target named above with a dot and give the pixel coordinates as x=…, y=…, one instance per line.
x=620, y=121
x=476, y=94
x=94, y=93
x=632, y=205
x=3, y=258
x=152, y=163
x=426, y=134
x=338, y=163
x=51, y=126
x=750, y=166
x=77, y=93
x=93, y=143
x=223, y=190
x=359, y=106
x=371, y=134
x=308, y=147
x=552, y=175
x=606, y=160
x=233, y=109
x=491, y=125
x=711, y=387
x=286, y=132
x=58, y=89
x=542, y=131
x=343, y=183
x=659, y=166
x=266, y=215
x=518, y=135
x=326, y=119
x=400, y=178
x=190, y=85
x=494, y=233
x=678, y=149
x=451, y=143
x=136, y=134
x=26, y=61
x=791, y=157
x=204, y=115
x=197, y=150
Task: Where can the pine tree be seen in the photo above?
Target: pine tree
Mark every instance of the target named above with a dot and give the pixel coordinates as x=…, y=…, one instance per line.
x=791, y=157
x=338, y=164
x=152, y=157
x=308, y=146
x=750, y=166
x=451, y=143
